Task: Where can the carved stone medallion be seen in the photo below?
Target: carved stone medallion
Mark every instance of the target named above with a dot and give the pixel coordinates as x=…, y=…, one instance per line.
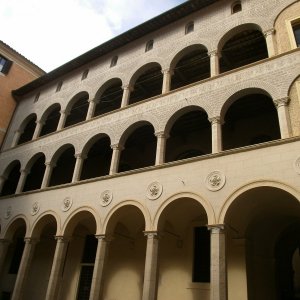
x=67, y=204
x=35, y=208
x=297, y=165
x=215, y=181
x=106, y=198
x=8, y=212
x=154, y=190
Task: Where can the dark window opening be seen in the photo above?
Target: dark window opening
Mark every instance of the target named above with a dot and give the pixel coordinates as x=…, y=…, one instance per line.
x=192, y=67
x=149, y=45
x=148, y=85
x=63, y=171
x=242, y=49
x=35, y=176
x=59, y=86
x=236, y=7
x=85, y=74
x=114, y=61
x=249, y=120
x=90, y=247
x=110, y=99
x=5, y=65
x=12, y=180
x=139, y=150
x=28, y=131
x=201, y=263
x=296, y=30
x=190, y=136
x=189, y=27
x=36, y=98
x=51, y=121
x=78, y=111
x=98, y=160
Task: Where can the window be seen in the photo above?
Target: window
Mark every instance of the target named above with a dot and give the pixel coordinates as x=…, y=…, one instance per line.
x=236, y=7
x=114, y=61
x=59, y=85
x=201, y=264
x=85, y=74
x=189, y=27
x=296, y=30
x=5, y=65
x=36, y=98
x=149, y=45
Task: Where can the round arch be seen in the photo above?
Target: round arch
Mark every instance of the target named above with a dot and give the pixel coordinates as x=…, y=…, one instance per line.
x=251, y=185
x=59, y=151
x=16, y=222
x=92, y=140
x=76, y=216
x=137, y=204
x=106, y=85
x=33, y=159
x=41, y=221
x=137, y=73
x=49, y=110
x=75, y=98
x=204, y=203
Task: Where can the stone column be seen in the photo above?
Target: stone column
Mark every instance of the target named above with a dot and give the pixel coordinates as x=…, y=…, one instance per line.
x=62, y=119
x=24, y=268
x=216, y=134
x=22, y=180
x=214, y=63
x=47, y=174
x=4, y=244
x=114, y=165
x=78, y=166
x=91, y=110
x=160, y=147
x=150, y=273
x=16, y=138
x=2, y=182
x=38, y=129
x=270, y=40
x=57, y=268
x=167, y=75
x=284, y=117
x=126, y=95
x=218, y=272
x=99, y=268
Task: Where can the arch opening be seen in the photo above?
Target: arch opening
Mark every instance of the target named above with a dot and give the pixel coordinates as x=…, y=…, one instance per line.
x=190, y=135
x=97, y=162
x=51, y=117
x=245, y=47
x=148, y=84
x=193, y=66
x=12, y=179
x=78, y=110
x=28, y=131
x=110, y=99
x=249, y=120
x=63, y=170
x=139, y=149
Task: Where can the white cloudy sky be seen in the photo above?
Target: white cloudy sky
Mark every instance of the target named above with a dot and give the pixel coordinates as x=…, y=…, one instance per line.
x=52, y=32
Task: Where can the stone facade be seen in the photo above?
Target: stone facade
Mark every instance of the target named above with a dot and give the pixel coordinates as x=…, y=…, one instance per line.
x=168, y=210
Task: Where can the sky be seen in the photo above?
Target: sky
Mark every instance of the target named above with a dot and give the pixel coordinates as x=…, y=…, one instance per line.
x=52, y=32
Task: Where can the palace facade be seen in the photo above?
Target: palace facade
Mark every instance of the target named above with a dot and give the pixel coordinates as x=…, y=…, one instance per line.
x=163, y=164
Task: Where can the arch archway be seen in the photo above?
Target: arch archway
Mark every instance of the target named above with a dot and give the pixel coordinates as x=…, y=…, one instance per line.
x=124, y=275
x=184, y=251
x=250, y=117
x=27, y=129
x=12, y=175
x=109, y=97
x=146, y=83
x=50, y=119
x=190, y=65
x=139, y=147
x=241, y=46
x=258, y=221
x=189, y=133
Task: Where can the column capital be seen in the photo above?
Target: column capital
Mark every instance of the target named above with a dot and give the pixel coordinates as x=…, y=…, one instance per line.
x=213, y=53
x=80, y=156
x=215, y=120
x=117, y=147
x=24, y=171
x=152, y=234
x=216, y=228
x=92, y=100
x=104, y=237
x=127, y=87
x=161, y=134
x=167, y=71
x=281, y=102
x=40, y=122
x=50, y=164
x=31, y=240
x=269, y=32
x=62, y=238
